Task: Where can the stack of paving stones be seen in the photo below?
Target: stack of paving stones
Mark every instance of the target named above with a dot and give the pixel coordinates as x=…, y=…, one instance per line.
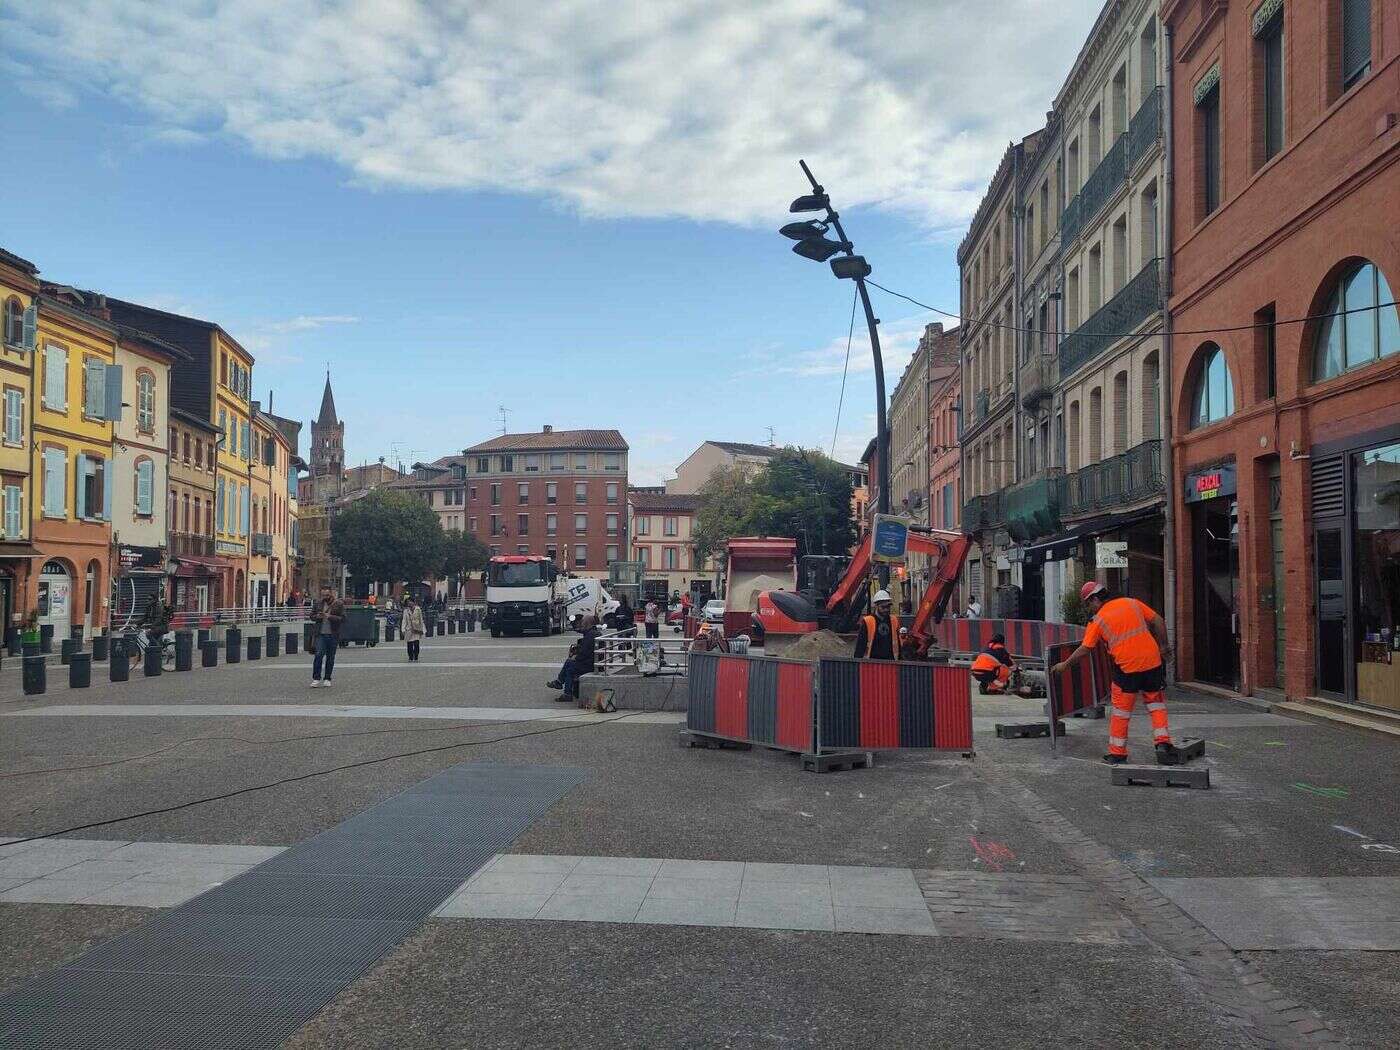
x=252, y=960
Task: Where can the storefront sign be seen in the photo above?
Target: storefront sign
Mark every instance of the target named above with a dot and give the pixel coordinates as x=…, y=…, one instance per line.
x=1111, y=554
x=227, y=547
x=1208, y=484
x=140, y=557
x=890, y=541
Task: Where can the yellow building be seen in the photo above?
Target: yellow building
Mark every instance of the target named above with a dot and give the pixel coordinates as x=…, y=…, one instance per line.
x=75, y=393
x=281, y=460
x=261, y=458
x=19, y=285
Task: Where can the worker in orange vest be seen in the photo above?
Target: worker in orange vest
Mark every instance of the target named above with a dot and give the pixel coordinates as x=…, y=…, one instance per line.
x=879, y=634
x=1137, y=645
x=992, y=667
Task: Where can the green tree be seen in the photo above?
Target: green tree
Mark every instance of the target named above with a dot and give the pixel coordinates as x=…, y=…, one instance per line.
x=389, y=537
x=463, y=553
x=725, y=501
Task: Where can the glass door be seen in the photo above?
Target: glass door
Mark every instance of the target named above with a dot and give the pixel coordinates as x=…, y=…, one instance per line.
x=1278, y=578
x=1331, y=614
x=1216, y=585
x=1376, y=571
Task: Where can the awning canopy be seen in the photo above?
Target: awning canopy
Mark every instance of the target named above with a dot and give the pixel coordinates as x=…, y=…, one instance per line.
x=19, y=550
x=191, y=566
x=1064, y=544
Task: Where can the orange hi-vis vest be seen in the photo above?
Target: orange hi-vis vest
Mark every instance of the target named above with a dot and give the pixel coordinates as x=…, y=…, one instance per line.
x=986, y=661
x=869, y=622
x=1122, y=625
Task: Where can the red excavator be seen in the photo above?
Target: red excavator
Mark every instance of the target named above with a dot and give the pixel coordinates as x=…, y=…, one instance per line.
x=803, y=612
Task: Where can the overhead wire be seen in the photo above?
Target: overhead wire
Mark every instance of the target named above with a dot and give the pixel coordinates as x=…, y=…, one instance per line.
x=850, y=333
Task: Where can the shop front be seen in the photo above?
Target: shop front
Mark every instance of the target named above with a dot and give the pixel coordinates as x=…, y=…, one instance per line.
x=197, y=584
x=1211, y=496
x=1356, y=571
x=1123, y=551
x=139, y=577
x=16, y=561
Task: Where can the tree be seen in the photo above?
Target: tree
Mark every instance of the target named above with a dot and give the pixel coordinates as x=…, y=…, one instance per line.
x=463, y=553
x=389, y=537
x=725, y=501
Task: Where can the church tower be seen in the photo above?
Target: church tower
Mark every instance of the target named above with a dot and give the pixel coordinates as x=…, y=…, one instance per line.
x=327, y=450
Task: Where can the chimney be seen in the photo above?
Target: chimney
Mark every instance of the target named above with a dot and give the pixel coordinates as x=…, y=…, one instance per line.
x=548, y=428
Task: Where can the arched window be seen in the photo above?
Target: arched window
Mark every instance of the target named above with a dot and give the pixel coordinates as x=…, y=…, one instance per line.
x=1360, y=329
x=14, y=322
x=1215, y=393
x=145, y=401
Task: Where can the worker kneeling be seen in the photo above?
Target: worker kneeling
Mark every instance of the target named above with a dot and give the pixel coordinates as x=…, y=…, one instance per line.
x=992, y=667
x=1137, y=645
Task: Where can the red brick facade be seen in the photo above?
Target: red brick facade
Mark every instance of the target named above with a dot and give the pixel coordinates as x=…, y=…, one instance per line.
x=1285, y=228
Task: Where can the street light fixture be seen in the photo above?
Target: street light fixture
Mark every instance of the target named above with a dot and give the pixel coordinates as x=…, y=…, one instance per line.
x=812, y=244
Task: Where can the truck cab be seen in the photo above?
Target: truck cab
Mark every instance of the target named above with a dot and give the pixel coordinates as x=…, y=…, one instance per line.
x=521, y=596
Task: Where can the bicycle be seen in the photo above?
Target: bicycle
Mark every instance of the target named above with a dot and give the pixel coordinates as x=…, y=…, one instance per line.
x=167, y=648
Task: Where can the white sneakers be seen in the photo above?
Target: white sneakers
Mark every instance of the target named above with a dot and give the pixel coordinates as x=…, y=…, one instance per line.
x=315, y=682
x=325, y=683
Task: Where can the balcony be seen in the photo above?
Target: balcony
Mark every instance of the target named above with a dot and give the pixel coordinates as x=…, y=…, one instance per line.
x=1069, y=222
x=1116, y=482
x=1138, y=299
x=1103, y=185
x=981, y=403
x=262, y=543
x=983, y=512
x=1145, y=130
x=1143, y=134
x=1033, y=507
x=190, y=545
x=1038, y=376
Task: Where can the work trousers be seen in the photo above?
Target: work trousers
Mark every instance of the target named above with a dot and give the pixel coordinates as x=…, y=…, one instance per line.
x=413, y=649
x=324, y=661
x=1125, y=698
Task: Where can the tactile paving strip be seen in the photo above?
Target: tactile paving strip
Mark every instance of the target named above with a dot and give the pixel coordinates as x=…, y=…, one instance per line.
x=245, y=965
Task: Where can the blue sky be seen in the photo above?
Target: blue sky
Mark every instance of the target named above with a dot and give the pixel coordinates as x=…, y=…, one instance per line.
x=572, y=217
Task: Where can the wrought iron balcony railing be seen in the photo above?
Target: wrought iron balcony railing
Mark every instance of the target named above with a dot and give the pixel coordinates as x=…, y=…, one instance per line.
x=1105, y=182
x=1134, y=303
x=1038, y=375
x=984, y=512
x=1069, y=222
x=191, y=545
x=1118, y=481
x=1145, y=130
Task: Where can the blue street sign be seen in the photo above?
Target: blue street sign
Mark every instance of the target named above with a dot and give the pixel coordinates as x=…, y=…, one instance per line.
x=890, y=539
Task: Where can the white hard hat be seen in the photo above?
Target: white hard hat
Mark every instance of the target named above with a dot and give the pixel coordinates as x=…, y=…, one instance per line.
x=881, y=596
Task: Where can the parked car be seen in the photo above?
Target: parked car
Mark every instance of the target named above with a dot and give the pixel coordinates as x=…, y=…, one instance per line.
x=713, y=611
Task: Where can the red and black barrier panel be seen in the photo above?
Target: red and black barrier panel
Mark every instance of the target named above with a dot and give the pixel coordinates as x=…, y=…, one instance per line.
x=881, y=704
x=1025, y=639
x=1083, y=687
x=751, y=699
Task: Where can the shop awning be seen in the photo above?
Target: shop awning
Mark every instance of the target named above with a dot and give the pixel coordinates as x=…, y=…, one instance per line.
x=190, y=566
x=1063, y=545
x=19, y=550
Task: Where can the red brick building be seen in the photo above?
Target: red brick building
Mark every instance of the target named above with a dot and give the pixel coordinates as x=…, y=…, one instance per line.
x=1286, y=134
x=558, y=493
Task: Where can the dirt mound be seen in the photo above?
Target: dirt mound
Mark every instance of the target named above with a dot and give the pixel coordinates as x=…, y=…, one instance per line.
x=818, y=644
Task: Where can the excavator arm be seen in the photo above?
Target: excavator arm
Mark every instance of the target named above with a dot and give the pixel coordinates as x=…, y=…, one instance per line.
x=947, y=549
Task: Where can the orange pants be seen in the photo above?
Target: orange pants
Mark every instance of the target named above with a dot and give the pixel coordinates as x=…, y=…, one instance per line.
x=1123, y=703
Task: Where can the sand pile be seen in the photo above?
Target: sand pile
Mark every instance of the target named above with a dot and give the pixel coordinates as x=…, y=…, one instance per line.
x=818, y=644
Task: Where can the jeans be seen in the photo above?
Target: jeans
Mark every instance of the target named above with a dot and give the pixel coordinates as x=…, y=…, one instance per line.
x=413, y=649
x=568, y=677
x=325, y=657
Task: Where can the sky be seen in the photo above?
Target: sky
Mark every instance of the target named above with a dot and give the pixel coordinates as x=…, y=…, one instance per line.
x=571, y=213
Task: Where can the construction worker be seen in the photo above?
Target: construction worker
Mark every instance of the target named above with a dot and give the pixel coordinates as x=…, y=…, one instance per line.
x=992, y=667
x=879, y=634
x=1136, y=639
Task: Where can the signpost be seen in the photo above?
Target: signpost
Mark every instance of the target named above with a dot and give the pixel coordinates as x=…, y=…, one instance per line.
x=890, y=540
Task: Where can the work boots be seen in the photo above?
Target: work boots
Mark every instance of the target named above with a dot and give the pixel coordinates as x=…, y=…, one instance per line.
x=1168, y=755
x=1115, y=760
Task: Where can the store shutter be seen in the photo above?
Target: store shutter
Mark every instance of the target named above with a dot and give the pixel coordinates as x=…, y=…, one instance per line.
x=1328, y=487
x=134, y=593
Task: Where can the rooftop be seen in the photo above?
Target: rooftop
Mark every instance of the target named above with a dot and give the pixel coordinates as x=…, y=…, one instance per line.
x=663, y=501
x=551, y=440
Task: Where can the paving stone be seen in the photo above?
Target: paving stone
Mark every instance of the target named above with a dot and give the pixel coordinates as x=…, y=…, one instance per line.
x=787, y=873
x=692, y=912
x=877, y=893
x=532, y=882
x=722, y=870
x=768, y=915
x=493, y=906
x=633, y=866
x=533, y=862
x=585, y=908
x=859, y=919
x=796, y=893
x=665, y=887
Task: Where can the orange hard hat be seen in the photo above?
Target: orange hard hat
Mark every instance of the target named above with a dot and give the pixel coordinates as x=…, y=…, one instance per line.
x=1091, y=588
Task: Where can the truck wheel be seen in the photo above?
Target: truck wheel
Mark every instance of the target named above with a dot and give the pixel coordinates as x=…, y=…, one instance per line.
x=495, y=632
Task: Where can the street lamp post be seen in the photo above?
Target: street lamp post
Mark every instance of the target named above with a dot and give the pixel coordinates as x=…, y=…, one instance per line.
x=812, y=244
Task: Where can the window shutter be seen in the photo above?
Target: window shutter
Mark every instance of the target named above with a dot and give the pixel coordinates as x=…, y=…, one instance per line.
x=80, y=475
x=14, y=511
x=31, y=324
x=144, y=484
x=94, y=388
x=99, y=470
x=1356, y=37
x=55, y=368
x=243, y=495
x=112, y=385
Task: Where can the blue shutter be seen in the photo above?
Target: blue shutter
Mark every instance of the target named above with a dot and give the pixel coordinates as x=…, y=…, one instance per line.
x=113, y=385
x=80, y=474
x=244, y=494
x=99, y=468
x=31, y=324
x=145, y=483
x=94, y=387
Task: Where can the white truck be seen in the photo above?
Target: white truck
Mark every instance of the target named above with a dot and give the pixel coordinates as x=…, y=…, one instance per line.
x=584, y=596
x=523, y=594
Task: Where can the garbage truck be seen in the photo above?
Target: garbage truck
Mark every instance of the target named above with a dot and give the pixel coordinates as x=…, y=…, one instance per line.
x=523, y=593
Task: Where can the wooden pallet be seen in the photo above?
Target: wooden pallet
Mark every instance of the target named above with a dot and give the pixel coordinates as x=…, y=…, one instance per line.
x=1161, y=776
x=1024, y=730
x=837, y=760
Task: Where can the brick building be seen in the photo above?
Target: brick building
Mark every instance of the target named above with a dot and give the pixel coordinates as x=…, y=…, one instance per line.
x=1286, y=131
x=557, y=493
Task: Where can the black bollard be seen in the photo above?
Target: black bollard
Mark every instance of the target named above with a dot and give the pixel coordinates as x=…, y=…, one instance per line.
x=452, y=625
x=201, y=637
x=46, y=638
x=308, y=636
x=388, y=631
x=36, y=675
x=184, y=650
x=209, y=653
x=233, y=646
x=292, y=639
x=100, y=647
x=30, y=649
x=75, y=633
x=14, y=641
x=119, y=665
x=441, y=627
x=152, y=662
x=67, y=648
x=254, y=647
x=273, y=644
x=374, y=634
x=80, y=671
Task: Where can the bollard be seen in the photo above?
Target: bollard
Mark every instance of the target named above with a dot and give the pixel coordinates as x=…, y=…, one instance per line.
x=30, y=649
x=273, y=644
x=308, y=636
x=152, y=661
x=14, y=641
x=119, y=663
x=452, y=625
x=209, y=653
x=441, y=627
x=36, y=675
x=46, y=638
x=233, y=646
x=374, y=635
x=254, y=647
x=67, y=648
x=184, y=650
x=80, y=671
x=202, y=637
x=75, y=633
x=292, y=639
x=100, y=646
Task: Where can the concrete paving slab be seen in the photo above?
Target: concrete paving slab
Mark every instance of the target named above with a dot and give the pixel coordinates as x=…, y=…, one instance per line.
x=476, y=905
x=860, y=919
x=195, y=852
x=813, y=873
x=669, y=888
x=519, y=882
x=535, y=862
x=621, y=887
x=767, y=915
x=688, y=912
x=54, y=891
x=634, y=866
x=878, y=893
x=586, y=908
x=721, y=870
x=796, y=893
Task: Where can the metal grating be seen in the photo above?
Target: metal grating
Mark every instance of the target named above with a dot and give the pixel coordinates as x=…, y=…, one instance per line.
x=249, y=962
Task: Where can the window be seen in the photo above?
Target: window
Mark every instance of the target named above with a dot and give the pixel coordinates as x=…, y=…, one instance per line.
x=507, y=464
x=1266, y=352
x=223, y=368
x=551, y=524
x=1119, y=261
x=552, y=552
x=145, y=488
x=91, y=488
x=1147, y=217
x=522, y=524
x=580, y=556
x=14, y=416
x=471, y=493
x=612, y=461
x=551, y=492
x=1270, y=58
x=14, y=511
x=495, y=524
x=146, y=402
x=1215, y=394
x=1208, y=114
x=668, y=526
x=1147, y=58
x=496, y=494
x=212, y=451
x=556, y=461
x=643, y=526
x=611, y=524
x=611, y=555
x=670, y=558
x=612, y=492
x=581, y=461
x=1348, y=340
x=1093, y=279
x=644, y=556
x=55, y=482
x=1356, y=40
x=247, y=441
x=185, y=513
x=56, y=378
x=522, y=549
x=532, y=464
x=581, y=492
x=14, y=322
x=471, y=524
x=219, y=501
x=495, y=549
x=522, y=493
x=580, y=524
x=1151, y=398
x=483, y=464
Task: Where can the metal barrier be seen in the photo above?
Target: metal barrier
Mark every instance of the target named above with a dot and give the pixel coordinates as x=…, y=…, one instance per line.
x=882, y=704
x=616, y=652
x=1082, y=688
x=1025, y=639
x=752, y=700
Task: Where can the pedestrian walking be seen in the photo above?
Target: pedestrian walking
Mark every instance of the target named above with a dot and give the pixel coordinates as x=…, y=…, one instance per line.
x=413, y=627
x=1136, y=639
x=328, y=614
x=652, y=616
x=876, y=640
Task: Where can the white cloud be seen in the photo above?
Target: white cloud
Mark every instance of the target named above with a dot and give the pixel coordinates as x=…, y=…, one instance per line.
x=307, y=323
x=692, y=108
x=266, y=338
